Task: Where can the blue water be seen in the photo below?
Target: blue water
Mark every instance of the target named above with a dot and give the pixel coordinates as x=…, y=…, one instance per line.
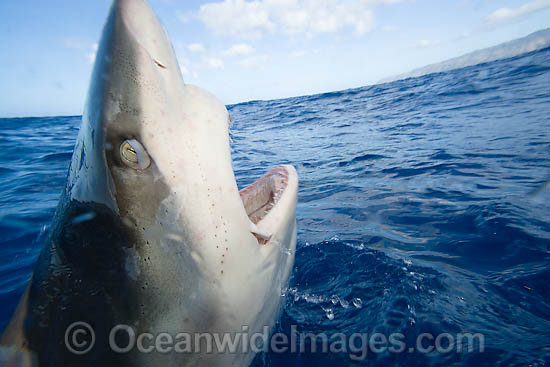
x=426, y=201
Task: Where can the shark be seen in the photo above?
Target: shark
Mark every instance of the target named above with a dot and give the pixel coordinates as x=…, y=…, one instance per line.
x=152, y=235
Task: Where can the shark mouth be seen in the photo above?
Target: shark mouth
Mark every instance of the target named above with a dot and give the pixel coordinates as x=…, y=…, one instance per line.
x=261, y=197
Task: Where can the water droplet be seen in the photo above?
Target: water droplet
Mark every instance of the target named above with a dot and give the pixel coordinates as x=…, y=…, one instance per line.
x=330, y=313
x=286, y=251
x=312, y=298
x=334, y=299
x=357, y=302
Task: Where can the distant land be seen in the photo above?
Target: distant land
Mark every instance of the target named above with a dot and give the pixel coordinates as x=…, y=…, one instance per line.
x=535, y=41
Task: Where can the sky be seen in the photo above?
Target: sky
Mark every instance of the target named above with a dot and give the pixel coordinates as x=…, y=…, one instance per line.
x=243, y=50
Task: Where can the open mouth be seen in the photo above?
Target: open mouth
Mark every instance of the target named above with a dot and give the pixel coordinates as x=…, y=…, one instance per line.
x=261, y=197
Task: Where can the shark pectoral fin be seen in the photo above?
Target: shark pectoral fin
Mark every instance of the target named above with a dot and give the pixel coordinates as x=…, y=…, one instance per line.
x=262, y=236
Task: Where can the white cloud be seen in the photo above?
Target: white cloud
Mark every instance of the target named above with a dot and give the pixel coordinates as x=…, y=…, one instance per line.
x=237, y=18
x=213, y=63
x=381, y=2
x=425, y=43
x=466, y=34
x=390, y=28
x=253, y=19
x=196, y=47
x=241, y=49
x=77, y=44
x=184, y=17
x=506, y=15
x=254, y=61
x=299, y=53
x=89, y=48
x=184, y=69
x=91, y=57
x=93, y=53
x=302, y=53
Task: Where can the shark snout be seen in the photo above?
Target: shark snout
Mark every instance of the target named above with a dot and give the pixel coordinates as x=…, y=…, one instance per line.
x=145, y=28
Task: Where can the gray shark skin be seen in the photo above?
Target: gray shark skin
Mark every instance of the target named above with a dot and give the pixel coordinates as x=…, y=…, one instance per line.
x=151, y=230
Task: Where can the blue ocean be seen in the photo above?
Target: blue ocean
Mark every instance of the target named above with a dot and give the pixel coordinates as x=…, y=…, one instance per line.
x=424, y=208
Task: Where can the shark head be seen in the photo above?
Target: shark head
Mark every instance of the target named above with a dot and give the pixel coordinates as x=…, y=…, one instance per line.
x=154, y=152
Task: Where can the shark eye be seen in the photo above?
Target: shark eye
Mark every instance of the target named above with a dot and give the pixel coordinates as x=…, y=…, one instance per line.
x=133, y=154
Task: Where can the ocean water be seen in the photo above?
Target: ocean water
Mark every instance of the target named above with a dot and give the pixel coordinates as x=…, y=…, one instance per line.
x=424, y=207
